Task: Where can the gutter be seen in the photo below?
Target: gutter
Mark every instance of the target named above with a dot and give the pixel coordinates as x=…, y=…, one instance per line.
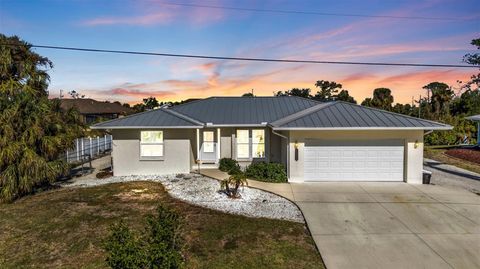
x=448, y=127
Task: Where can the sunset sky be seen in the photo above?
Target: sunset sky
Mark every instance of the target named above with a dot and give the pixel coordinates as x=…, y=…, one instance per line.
x=155, y=26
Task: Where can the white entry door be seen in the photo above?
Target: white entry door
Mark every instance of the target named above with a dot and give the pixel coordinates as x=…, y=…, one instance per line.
x=327, y=160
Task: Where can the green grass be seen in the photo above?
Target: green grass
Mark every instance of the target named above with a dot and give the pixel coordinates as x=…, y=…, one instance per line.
x=65, y=228
x=438, y=154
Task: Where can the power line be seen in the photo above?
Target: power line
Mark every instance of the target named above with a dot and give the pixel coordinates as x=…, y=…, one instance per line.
x=310, y=12
x=248, y=59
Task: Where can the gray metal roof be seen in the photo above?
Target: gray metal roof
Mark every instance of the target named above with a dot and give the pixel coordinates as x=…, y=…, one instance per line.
x=162, y=117
x=281, y=113
x=339, y=115
x=243, y=110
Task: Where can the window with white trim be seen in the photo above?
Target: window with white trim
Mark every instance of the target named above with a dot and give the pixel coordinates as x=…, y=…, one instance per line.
x=151, y=144
x=243, y=144
x=208, y=142
x=258, y=143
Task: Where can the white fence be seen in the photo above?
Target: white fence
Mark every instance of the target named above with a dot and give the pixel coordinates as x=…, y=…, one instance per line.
x=89, y=147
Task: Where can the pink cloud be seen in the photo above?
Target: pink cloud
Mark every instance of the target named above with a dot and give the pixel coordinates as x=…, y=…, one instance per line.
x=152, y=13
x=161, y=17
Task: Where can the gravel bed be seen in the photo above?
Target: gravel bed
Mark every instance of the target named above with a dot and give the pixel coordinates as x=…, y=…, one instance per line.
x=203, y=191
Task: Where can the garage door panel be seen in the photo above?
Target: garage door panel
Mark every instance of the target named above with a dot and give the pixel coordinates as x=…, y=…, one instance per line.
x=353, y=160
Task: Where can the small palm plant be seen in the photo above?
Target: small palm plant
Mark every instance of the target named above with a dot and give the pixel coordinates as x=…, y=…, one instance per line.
x=231, y=184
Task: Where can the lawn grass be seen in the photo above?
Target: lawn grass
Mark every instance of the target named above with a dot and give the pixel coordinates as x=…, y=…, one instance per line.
x=64, y=229
x=438, y=154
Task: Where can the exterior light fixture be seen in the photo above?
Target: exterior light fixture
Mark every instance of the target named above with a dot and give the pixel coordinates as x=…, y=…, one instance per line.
x=296, y=150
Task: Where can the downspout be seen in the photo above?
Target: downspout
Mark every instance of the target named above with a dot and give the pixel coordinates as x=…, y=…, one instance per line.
x=288, y=149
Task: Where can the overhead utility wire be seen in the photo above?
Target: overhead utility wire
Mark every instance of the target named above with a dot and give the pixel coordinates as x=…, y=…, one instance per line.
x=249, y=59
x=310, y=12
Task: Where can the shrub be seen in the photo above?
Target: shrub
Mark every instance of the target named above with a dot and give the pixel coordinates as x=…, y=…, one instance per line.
x=229, y=165
x=231, y=184
x=123, y=248
x=268, y=172
x=158, y=247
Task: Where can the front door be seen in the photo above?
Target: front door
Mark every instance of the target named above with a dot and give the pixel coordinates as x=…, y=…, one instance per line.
x=208, y=149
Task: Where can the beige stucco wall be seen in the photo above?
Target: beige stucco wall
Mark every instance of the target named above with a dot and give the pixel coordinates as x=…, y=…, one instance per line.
x=179, y=147
x=413, y=162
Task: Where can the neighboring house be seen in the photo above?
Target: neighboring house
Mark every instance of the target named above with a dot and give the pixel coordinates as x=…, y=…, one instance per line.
x=476, y=118
x=334, y=141
x=93, y=110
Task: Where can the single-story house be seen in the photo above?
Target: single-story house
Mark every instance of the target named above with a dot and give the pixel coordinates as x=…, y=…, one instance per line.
x=92, y=110
x=333, y=141
x=476, y=118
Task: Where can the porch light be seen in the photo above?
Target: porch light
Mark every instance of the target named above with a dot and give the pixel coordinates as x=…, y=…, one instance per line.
x=296, y=150
x=416, y=144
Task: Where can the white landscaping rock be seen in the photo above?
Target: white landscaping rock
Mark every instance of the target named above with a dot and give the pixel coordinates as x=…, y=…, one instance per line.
x=204, y=191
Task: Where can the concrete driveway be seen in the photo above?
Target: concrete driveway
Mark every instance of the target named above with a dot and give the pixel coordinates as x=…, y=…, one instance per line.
x=387, y=225
x=391, y=225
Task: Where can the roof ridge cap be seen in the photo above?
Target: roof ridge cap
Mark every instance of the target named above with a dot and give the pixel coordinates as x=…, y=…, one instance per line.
x=302, y=113
x=182, y=116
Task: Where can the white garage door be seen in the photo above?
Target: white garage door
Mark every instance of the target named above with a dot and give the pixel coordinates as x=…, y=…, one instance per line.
x=326, y=160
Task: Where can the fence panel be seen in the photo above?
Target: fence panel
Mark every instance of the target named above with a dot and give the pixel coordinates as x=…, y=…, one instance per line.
x=88, y=147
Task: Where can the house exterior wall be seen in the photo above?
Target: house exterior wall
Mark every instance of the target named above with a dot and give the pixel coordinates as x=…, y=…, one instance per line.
x=179, y=148
x=413, y=159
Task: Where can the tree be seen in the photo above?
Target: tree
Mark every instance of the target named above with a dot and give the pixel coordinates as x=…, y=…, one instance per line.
x=248, y=94
x=76, y=95
x=305, y=93
x=440, y=98
x=34, y=131
x=382, y=98
x=328, y=90
x=150, y=103
x=345, y=96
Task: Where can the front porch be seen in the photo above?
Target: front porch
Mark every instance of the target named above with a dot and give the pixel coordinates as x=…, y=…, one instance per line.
x=243, y=144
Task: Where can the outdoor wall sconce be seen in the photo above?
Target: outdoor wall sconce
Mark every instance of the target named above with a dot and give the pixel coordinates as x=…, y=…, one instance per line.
x=416, y=144
x=296, y=150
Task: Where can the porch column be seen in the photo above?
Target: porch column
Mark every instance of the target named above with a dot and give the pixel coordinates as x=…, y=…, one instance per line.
x=218, y=144
x=198, y=144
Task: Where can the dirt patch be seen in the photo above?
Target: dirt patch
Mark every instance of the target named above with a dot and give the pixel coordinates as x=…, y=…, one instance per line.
x=137, y=194
x=471, y=155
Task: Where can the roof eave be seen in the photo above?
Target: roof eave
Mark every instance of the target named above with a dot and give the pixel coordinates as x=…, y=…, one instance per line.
x=143, y=127
x=436, y=128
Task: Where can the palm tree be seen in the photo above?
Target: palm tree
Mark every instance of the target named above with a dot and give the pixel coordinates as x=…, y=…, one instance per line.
x=231, y=184
x=441, y=97
x=33, y=129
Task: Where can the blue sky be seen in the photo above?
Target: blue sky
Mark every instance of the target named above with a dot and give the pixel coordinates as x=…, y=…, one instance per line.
x=158, y=27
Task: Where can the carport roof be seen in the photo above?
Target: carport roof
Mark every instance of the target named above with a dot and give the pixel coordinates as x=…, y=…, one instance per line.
x=342, y=115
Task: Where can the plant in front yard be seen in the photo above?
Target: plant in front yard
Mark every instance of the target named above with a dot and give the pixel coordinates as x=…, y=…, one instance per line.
x=229, y=165
x=268, y=172
x=231, y=184
x=158, y=247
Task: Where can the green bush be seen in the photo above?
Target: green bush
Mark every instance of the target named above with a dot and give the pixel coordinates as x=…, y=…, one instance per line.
x=123, y=248
x=229, y=165
x=268, y=172
x=158, y=247
x=461, y=127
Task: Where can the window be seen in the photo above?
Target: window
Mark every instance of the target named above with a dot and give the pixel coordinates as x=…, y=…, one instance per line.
x=208, y=142
x=243, y=145
x=258, y=143
x=151, y=143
